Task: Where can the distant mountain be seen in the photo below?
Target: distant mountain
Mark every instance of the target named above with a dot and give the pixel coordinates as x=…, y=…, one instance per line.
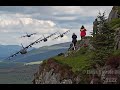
x=49, y=48
x=62, y=44
x=37, y=57
x=7, y=50
x=42, y=53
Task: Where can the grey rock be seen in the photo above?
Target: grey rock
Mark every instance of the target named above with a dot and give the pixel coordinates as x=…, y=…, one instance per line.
x=112, y=15
x=117, y=39
x=68, y=81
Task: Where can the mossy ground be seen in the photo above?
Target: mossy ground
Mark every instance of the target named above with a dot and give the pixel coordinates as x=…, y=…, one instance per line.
x=78, y=61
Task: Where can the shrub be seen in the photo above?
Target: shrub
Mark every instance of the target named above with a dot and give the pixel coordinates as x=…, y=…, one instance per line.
x=115, y=23
x=83, y=50
x=113, y=61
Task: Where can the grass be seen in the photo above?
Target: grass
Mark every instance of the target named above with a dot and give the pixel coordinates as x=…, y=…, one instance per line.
x=116, y=53
x=79, y=61
x=115, y=23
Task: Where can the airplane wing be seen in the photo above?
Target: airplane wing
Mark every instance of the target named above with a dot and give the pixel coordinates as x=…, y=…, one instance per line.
x=61, y=34
x=66, y=31
x=51, y=35
x=13, y=55
x=24, y=48
x=37, y=41
x=56, y=37
x=33, y=33
x=23, y=36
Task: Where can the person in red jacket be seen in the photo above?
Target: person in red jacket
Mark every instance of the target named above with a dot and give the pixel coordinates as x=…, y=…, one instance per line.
x=82, y=32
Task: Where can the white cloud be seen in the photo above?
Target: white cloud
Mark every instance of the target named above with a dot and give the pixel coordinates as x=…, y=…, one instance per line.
x=82, y=10
x=94, y=10
x=10, y=24
x=67, y=9
x=28, y=25
x=44, y=20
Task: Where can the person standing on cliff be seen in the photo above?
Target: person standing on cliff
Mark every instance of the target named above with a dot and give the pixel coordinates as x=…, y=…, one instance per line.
x=82, y=32
x=74, y=40
x=95, y=24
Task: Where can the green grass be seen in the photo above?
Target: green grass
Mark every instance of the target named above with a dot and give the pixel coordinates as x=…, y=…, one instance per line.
x=79, y=61
x=116, y=53
x=115, y=23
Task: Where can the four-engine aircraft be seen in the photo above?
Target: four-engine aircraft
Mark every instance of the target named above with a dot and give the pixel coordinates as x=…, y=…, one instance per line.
x=28, y=35
x=61, y=35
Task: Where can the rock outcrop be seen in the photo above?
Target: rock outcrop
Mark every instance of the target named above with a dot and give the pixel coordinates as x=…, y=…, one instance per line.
x=114, y=13
x=117, y=39
x=109, y=73
x=52, y=72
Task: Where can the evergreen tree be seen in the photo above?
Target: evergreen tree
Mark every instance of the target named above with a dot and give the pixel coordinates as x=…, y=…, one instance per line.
x=103, y=41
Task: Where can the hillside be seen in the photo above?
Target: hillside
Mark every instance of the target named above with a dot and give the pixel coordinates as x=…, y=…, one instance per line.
x=37, y=57
x=7, y=50
x=96, y=60
x=75, y=62
x=16, y=73
x=36, y=54
x=49, y=48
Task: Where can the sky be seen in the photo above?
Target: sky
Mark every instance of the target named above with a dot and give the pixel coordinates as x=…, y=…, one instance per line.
x=15, y=21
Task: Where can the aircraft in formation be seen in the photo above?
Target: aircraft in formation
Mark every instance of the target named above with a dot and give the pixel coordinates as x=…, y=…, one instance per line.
x=24, y=49
x=61, y=35
x=28, y=35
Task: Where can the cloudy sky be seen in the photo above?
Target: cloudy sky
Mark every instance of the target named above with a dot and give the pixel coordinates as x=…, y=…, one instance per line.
x=15, y=21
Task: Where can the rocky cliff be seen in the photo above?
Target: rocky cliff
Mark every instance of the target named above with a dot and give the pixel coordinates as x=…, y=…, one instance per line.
x=115, y=13
x=117, y=39
x=109, y=73
x=52, y=72
x=114, y=20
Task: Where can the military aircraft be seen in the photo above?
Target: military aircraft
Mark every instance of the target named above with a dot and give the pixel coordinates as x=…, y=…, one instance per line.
x=24, y=50
x=61, y=35
x=28, y=35
x=45, y=38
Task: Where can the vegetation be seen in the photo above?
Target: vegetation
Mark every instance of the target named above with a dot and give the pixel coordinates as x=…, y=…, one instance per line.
x=79, y=61
x=103, y=42
x=103, y=54
x=114, y=23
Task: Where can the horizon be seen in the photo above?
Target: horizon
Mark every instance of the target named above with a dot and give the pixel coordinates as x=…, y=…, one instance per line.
x=36, y=47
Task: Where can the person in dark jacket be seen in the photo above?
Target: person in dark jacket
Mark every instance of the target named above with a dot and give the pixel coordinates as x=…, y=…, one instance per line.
x=74, y=39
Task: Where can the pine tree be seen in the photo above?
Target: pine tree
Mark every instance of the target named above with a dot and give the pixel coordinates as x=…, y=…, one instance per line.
x=103, y=41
